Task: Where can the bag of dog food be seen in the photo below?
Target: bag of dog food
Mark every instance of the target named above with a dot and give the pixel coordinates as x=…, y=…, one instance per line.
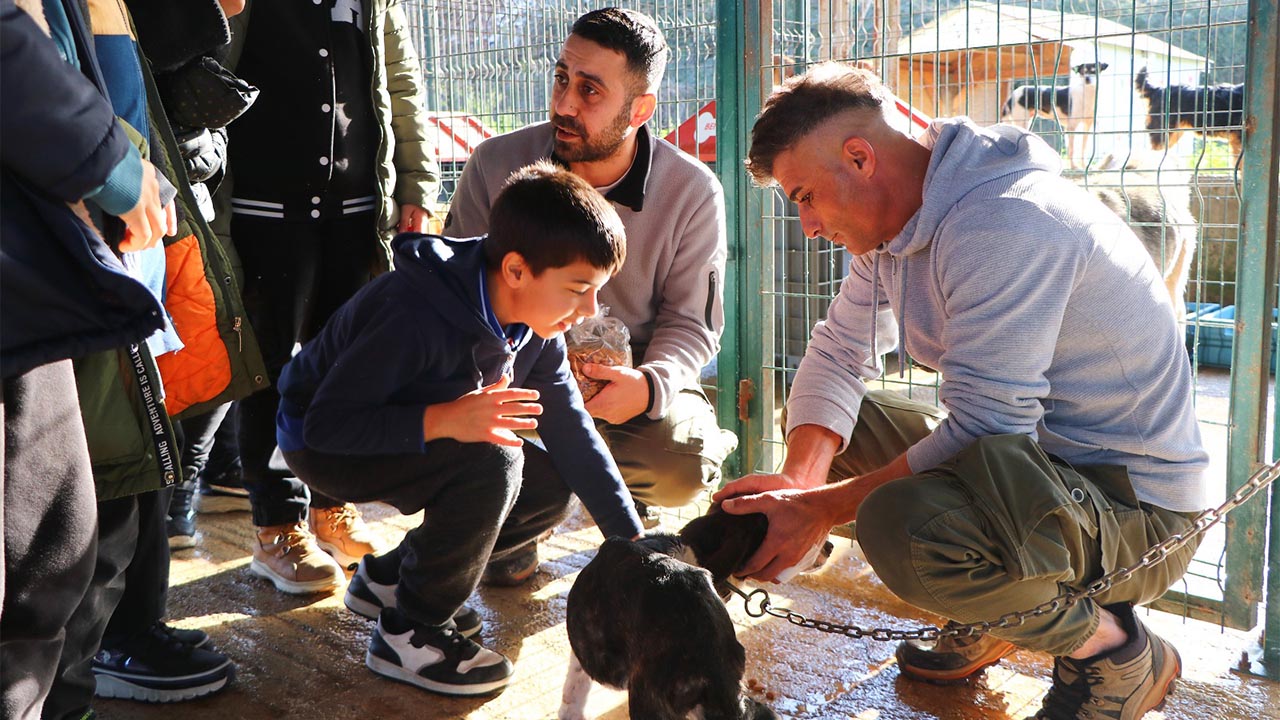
x=601, y=339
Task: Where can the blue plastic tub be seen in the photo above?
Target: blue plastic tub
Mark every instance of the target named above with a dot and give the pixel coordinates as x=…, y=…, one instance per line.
x=1218, y=335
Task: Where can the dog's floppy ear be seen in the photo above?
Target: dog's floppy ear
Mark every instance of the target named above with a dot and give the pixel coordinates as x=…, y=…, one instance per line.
x=722, y=542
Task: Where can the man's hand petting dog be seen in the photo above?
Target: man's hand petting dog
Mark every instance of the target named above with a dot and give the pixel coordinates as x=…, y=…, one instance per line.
x=648, y=616
x=799, y=519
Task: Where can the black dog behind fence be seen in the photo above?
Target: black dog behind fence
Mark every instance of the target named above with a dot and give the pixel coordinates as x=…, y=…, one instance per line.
x=1213, y=110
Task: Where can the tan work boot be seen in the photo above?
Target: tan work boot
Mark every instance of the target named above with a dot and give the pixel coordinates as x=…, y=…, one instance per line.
x=950, y=659
x=288, y=556
x=512, y=571
x=341, y=532
x=1124, y=684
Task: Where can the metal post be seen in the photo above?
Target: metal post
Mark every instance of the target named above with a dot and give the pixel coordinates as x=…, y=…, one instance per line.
x=1259, y=221
x=738, y=98
x=1255, y=298
x=728, y=89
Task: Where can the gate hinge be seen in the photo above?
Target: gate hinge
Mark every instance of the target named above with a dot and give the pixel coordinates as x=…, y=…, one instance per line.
x=746, y=393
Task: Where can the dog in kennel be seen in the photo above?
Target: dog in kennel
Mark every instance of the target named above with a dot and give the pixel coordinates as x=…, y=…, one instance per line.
x=1073, y=105
x=649, y=616
x=1207, y=110
x=1160, y=215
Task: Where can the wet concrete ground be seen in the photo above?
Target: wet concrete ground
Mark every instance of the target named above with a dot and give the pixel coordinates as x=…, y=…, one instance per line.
x=303, y=657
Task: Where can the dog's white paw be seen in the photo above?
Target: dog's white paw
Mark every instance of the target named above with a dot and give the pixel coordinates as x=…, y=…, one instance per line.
x=577, y=687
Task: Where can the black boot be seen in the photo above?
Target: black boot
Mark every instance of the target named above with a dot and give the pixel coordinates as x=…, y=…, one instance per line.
x=181, y=523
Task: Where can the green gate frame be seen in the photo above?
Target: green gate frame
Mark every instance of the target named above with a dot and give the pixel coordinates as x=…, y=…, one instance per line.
x=1257, y=268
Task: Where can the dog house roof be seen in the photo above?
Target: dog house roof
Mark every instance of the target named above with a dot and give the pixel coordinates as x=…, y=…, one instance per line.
x=980, y=25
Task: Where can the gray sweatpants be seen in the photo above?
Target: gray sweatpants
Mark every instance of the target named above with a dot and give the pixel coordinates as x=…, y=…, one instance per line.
x=1003, y=527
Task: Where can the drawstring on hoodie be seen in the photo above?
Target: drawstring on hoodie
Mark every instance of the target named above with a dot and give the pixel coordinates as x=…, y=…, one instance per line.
x=875, y=307
x=901, y=352
x=903, y=358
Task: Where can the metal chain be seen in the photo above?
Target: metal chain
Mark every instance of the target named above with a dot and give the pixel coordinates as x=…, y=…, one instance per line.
x=1156, y=554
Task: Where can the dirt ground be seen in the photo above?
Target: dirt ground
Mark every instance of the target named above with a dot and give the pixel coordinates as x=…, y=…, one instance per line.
x=303, y=657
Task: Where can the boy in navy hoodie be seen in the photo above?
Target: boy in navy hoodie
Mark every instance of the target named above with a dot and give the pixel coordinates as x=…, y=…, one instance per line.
x=413, y=394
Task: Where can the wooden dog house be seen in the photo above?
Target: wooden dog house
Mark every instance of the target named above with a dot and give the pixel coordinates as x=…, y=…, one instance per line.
x=968, y=60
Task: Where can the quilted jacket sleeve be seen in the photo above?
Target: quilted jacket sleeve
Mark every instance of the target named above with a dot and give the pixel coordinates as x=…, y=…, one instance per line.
x=417, y=175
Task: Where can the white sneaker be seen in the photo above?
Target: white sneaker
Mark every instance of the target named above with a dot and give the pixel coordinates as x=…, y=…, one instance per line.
x=434, y=658
x=368, y=597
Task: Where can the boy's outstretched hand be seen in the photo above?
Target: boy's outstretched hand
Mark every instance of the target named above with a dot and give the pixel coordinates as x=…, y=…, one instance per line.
x=491, y=414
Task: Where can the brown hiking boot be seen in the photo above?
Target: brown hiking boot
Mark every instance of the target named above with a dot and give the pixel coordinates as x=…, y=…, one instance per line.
x=288, y=556
x=950, y=659
x=1124, y=684
x=514, y=570
x=341, y=532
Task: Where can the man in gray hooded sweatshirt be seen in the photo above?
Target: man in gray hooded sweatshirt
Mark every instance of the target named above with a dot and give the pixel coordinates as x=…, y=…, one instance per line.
x=1068, y=444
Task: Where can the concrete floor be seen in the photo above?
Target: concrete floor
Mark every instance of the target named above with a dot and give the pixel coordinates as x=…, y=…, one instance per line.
x=303, y=657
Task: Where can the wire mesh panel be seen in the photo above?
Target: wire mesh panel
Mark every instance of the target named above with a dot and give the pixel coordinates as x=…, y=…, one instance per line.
x=1144, y=100
x=490, y=62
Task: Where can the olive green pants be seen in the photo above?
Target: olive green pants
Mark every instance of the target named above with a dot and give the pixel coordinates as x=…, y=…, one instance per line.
x=667, y=462
x=1003, y=527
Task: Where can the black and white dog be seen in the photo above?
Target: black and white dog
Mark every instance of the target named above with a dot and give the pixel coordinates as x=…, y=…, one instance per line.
x=649, y=616
x=1073, y=105
x=1214, y=110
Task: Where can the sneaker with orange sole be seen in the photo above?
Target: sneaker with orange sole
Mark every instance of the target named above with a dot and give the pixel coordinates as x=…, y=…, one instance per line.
x=513, y=570
x=951, y=659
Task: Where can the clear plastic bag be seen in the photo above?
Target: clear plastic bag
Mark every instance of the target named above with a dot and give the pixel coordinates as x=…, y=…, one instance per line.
x=603, y=340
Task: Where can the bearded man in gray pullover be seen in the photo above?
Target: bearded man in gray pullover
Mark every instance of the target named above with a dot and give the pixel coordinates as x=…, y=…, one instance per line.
x=1068, y=444
x=656, y=420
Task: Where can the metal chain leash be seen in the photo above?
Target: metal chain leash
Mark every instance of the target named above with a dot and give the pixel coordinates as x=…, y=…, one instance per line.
x=1156, y=554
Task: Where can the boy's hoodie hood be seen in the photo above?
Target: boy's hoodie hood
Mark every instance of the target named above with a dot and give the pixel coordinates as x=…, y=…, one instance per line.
x=964, y=157
x=448, y=271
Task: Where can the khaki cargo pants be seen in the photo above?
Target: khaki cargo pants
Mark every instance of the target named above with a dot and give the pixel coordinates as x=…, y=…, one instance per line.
x=668, y=462
x=1003, y=527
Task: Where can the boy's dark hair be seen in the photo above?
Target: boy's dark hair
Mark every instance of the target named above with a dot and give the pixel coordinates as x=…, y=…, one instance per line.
x=802, y=103
x=631, y=33
x=554, y=218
